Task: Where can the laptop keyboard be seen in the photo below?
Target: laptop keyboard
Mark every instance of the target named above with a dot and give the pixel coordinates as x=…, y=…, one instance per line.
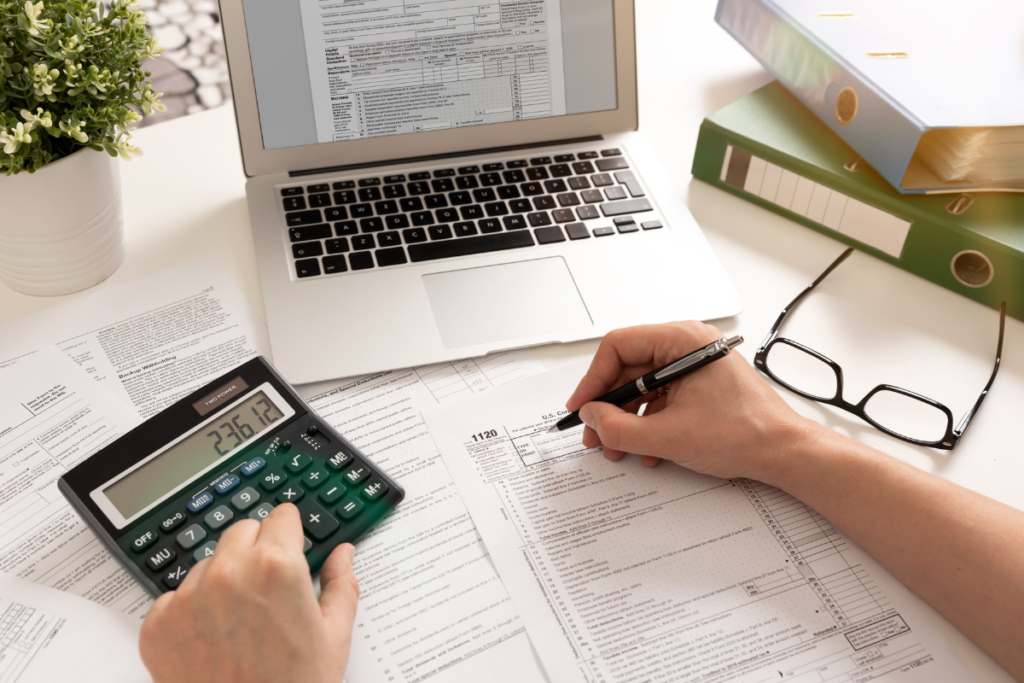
x=391, y=220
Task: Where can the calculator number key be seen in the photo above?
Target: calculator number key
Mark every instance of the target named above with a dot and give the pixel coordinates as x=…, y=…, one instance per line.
x=172, y=522
x=175, y=575
x=318, y=522
x=350, y=508
x=250, y=468
x=273, y=480
x=245, y=499
x=374, y=490
x=204, y=551
x=227, y=484
x=160, y=559
x=145, y=540
x=262, y=512
x=219, y=517
x=200, y=502
x=357, y=475
x=298, y=462
x=191, y=537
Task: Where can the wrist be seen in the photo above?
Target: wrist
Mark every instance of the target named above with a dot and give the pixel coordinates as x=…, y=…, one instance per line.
x=791, y=450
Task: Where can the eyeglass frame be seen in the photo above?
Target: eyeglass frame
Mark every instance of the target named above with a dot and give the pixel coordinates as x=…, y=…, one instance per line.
x=952, y=436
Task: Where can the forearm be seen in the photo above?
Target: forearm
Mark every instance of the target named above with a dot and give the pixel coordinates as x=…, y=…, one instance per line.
x=960, y=551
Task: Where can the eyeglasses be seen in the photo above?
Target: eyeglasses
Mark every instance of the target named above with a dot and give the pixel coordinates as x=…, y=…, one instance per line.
x=895, y=411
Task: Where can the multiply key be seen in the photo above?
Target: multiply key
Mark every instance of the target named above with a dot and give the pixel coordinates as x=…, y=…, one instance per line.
x=318, y=522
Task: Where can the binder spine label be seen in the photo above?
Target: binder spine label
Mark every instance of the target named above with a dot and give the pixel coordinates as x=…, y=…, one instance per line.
x=815, y=202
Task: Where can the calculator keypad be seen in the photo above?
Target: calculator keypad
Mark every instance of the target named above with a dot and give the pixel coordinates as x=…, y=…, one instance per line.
x=262, y=512
x=314, y=478
x=290, y=494
x=219, y=517
x=160, y=559
x=191, y=537
x=204, y=551
x=245, y=499
x=318, y=522
x=273, y=480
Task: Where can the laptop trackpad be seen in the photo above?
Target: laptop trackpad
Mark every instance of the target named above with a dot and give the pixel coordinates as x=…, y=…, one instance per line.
x=504, y=302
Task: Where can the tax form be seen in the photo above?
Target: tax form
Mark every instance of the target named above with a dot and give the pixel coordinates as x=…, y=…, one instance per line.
x=431, y=606
x=384, y=67
x=623, y=573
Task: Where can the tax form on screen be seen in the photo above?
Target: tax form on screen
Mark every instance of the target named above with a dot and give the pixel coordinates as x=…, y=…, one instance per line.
x=623, y=573
x=386, y=67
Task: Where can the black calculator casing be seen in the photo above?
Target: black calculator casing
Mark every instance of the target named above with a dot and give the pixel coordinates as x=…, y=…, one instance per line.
x=304, y=432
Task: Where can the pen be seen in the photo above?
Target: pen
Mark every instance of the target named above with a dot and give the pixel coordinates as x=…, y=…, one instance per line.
x=657, y=378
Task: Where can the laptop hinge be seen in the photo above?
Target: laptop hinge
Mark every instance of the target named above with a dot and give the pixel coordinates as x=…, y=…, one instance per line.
x=437, y=157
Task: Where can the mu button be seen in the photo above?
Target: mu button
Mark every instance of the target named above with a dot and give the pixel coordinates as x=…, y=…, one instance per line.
x=317, y=521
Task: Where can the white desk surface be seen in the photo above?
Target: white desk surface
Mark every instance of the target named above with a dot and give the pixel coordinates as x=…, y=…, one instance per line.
x=185, y=200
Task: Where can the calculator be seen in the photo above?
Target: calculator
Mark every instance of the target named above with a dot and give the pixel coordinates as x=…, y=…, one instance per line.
x=161, y=495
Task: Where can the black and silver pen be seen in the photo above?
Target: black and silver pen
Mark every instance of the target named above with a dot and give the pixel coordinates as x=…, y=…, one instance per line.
x=658, y=378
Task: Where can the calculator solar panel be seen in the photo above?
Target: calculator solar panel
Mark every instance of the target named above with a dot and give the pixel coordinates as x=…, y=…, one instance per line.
x=161, y=496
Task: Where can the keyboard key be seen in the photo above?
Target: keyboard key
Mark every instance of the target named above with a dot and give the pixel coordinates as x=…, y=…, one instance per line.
x=651, y=225
x=592, y=196
x=298, y=463
x=562, y=158
x=421, y=218
x=291, y=191
x=468, y=170
x=531, y=189
x=513, y=177
x=227, y=484
x=245, y=499
x=471, y=213
x=344, y=185
x=160, y=559
x=345, y=197
x=460, y=198
x=375, y=490
x=465, y=229
x=318, y=200
x=173, y=577
x=392, y=179
x=346, y=228
x=508, y=192
x=555, y=186
x=332, y=493
x=191, y=537
x=311, y=217
x=563, y=215
x=290, y=494
x=369, y=194
x=587, y=213
x=444, y=173
x=490, y=179
x=614, y=152
x=411, y=204
x=470, y=245
x=261, y=512
x=539, y=218
x=394, y=191
x=518, y=163
x=204, y=551
x=489, y=225
x=419, y=188
x=360, y=211
x=350, y=508
x=496, y=209
x=294, y=203
x=630, y=206
x=514, y=222
x=436, y=201
x=389, y=239
x=273, y=480
x=627, y=227
x=315, y=478
x=334, y=264
x=219, y=517
x=363, y=242
x=172, y=522
x=369, y=182
x=338, y=213
x=632, y=184
x=414, y=235
x=484, y=194
x=578, y=183
x=144, y=540
x=439, y=232
x=568, y=199
x=420, y=175
x=307, y=249
x=466, y=182
x=537, y=173
x=603, y=231
x=544, y=203
x=356, y=475
x=587, y=155
x=397, y=222
x=374, y=224
x=615, y=192
x=251, y=468
x=577, y=231
x=386, y=207
x=561, y=171
x=313, y=232
x=583, y=168
x=520, y=206
x=613, y=164
x=307, y=268
x=442, y=185
x=493, y=167
x=318, y=522
x=337, y=246
x=602, y=180
x=447, y=215
x=394, y=256
x=549, y=235
x=540, y=161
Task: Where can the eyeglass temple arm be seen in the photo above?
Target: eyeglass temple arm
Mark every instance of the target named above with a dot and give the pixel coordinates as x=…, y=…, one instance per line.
x=966, y=421
x=792, y=304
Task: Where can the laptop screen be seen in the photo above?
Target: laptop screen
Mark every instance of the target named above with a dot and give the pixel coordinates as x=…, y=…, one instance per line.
x=332, y=70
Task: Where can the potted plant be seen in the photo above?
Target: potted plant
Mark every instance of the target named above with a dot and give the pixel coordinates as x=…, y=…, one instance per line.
x=71, y=86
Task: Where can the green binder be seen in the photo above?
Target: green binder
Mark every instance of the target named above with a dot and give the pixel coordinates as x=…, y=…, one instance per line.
x=769, y=149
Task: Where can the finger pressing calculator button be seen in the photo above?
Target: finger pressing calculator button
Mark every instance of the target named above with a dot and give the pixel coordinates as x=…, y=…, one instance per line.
x=191, y=537
x=218, y=517
x=315, y=478
x=160, y=559
x=143, y=541
x=298, y=462
x=292, y=494
x=307, y=544
x=332, y=493
x=374, y=490
x=227, y=484
x=204, y=551
x=318, y=522
x=261, y=512
x=357, y=475
x=200, y=502
x=273, y=480
x=350, y=508
x=250, y=468
x=172, y=522
x=175, y=575
x=245, y=499
x=339, y=461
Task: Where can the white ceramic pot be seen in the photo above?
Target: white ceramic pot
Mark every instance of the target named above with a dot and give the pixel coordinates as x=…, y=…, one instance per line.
x=61, y=229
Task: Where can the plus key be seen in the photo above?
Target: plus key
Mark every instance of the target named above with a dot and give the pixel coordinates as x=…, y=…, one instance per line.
x=318, y=522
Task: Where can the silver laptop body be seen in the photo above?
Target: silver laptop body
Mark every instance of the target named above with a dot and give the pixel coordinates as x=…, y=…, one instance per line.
x=442, y=180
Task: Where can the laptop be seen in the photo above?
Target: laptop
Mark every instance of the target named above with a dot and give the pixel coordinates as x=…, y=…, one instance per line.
x=438, y=180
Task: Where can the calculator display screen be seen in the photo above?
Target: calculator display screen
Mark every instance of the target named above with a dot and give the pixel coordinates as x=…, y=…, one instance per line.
x=190, y=456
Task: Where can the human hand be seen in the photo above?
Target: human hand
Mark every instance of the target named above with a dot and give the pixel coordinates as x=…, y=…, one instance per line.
x=722, y=420
x=248, y=614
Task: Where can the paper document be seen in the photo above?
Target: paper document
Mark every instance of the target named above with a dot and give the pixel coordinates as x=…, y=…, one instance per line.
x=153, y=340
x=47, y=636
x=384, y=67
x=431, y=605
x=52, y=415
x=623, y=573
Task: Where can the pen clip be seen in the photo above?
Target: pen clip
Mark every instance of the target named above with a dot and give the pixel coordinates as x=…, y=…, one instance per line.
x=723, y=346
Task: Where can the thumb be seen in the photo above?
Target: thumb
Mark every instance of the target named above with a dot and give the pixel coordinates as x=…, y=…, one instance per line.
x=617, y=428
x=339, y=593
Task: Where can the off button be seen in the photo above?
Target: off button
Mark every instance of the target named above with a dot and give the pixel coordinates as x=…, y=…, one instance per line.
x=144, y=541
